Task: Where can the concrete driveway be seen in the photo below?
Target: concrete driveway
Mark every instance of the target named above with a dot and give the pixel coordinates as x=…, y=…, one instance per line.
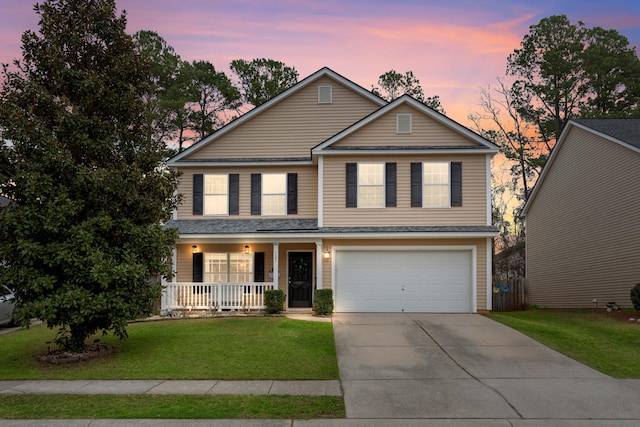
x=466, y=366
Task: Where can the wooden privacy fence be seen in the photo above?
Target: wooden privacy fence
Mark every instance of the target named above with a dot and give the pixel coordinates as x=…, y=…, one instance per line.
x=509, y=293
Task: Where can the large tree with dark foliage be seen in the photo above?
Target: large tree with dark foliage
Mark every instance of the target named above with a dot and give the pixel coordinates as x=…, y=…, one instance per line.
x=261, y=79
x=82, y=237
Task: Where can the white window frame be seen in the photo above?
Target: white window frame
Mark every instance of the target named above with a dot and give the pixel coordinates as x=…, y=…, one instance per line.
x=328, y=90
x=215, y=195
x=364, y=186
x=281, y=195
x=228, y=260
x=405, y=119
x=429, y=185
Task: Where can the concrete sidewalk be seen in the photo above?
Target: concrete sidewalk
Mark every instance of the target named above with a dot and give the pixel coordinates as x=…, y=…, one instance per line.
x=268, y=387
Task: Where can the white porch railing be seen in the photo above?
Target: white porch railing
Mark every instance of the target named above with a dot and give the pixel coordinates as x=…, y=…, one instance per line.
x=214, y=296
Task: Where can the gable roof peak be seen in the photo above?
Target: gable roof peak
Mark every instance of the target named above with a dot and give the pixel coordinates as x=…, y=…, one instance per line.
x=322, y=72
x=423, y=108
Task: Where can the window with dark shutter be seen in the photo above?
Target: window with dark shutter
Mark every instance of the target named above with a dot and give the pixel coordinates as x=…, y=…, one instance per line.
x=456, y=183
x=198, y=193
x=258, y=267
x=416, y=185
x=292, y=193
x=256, y=193
x=234, y=194
x=197, y=267
x=352, y=185
x=390, y=184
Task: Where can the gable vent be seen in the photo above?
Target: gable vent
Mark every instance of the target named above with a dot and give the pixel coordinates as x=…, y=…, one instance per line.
x=403, y=123
x=325, y=95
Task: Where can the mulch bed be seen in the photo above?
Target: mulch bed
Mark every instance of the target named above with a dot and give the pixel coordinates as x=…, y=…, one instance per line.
x=58, y=357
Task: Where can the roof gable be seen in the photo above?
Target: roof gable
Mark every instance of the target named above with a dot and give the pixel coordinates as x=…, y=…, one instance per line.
x=430, y=130
x=253, y=124
x=623, y=132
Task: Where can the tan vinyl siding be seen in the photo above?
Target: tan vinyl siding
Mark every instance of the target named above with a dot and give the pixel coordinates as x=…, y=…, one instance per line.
x=583, y=233
x=425, y=132
x=292, y=127
x=481, y=253
x=307, y=190
x=474, y=195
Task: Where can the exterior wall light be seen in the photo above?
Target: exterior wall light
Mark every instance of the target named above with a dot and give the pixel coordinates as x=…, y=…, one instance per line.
x=326, y=254
x=246, y=249
x=194, y=249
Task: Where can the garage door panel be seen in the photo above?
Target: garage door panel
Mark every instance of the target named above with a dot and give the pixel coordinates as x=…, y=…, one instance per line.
x=409, y=281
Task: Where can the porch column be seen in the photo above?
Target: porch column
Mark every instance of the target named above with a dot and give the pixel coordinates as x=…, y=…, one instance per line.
x=276, y=273
x=319, y=265
x=163, y=299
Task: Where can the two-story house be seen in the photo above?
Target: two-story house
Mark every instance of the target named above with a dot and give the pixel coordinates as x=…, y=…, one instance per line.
x=328, y=186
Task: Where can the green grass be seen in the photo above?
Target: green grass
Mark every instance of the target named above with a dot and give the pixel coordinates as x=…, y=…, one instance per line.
x=604, y=343
x=274, y=348
x=169, y=407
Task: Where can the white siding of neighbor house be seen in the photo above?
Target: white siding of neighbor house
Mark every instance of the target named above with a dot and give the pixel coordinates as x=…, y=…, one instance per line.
x=292, y=127
x=307, y=190
x=583, y=226
x=426, y=132
x=474, y=196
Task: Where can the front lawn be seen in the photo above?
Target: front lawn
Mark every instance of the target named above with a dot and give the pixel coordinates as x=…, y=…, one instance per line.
x=274, y=348
x=594, y=338
x=32, y=406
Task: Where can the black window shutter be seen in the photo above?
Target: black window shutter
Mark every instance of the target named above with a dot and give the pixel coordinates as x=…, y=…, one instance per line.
x=258, y=267
x=292, y=193
x=197, y=267
x=352, y=185
x=456, y=183
x=256, y=194
x=416, y=185
x=390, y=185
x=198, y=193
x=234, y=194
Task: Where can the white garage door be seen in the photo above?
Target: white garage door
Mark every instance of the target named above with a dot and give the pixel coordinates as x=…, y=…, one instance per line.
x=403, y=281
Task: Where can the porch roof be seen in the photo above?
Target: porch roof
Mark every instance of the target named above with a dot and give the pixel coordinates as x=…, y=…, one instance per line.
x=307, y=226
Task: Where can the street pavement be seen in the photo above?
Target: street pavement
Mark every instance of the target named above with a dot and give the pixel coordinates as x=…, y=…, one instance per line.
x=433, y=370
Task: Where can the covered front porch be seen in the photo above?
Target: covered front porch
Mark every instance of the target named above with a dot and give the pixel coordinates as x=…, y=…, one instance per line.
x=215, y=275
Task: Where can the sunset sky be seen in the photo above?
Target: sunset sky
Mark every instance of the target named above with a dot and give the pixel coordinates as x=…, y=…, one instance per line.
x=453, y=47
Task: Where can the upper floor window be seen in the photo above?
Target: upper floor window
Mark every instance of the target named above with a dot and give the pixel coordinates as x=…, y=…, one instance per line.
x=325, y=95
x=216, y=194
x=371, y=185
x=436, y=185
x=274, y=194
x=403, y=123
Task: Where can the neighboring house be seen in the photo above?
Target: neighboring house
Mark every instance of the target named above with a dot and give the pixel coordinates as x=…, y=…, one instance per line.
x=328, y=186
x=583, y=217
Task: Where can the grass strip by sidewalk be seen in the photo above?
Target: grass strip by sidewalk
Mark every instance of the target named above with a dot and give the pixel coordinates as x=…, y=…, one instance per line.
x=45, y=406
x=262, y=348
x=601, y=342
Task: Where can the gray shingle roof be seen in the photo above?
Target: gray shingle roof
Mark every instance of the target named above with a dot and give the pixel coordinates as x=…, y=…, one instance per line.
x=225, y=226
x=627, y=130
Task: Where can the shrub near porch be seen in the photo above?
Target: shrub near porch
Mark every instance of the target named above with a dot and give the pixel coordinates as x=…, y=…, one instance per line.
x=274, y=348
